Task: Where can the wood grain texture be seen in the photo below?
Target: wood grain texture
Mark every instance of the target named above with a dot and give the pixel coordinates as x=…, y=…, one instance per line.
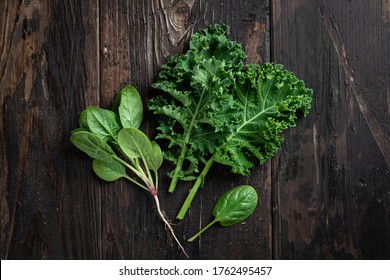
x=325, y=195
x=332, y=180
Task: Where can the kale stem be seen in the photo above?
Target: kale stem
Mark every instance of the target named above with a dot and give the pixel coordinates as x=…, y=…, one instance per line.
x=179, y=165
x=184, y=149
x=198, y=183
x=202, y=230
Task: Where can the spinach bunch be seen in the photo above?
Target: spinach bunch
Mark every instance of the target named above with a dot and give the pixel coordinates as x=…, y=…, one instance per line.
x=117, y=145
x=214, y=108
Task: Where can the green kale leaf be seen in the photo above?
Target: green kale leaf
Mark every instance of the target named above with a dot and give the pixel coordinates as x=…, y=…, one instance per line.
x=268, y=99
x=213, y=108
x=197, y=87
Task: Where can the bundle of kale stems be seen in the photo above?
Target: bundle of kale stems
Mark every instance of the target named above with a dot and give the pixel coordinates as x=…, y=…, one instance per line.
x=212, y=108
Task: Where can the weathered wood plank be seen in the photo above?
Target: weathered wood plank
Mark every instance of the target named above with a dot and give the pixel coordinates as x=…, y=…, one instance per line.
x=332, y=176
x=45, y=213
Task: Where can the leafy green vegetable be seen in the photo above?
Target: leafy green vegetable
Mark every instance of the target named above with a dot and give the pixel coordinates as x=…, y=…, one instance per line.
x=233, y=207
x=268, y=98
x=128, y=103
x=215, y=109
x=109, y=171
x=212, y=108
x=92, y=145
x=134, y=143
x=154, y=159
x=103, y=123
x=103, y=134
x=198, y=85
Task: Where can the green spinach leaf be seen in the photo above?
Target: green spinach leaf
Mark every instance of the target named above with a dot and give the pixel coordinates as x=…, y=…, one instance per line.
x=93, y=146
x=134, y=143
x=154, y=159
x=103, y=123
x=109, y=171
x=235, y=205
x=128, y=104
x=232, y=207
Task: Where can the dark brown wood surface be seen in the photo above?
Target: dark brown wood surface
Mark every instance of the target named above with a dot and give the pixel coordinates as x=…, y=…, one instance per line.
x=325, y=195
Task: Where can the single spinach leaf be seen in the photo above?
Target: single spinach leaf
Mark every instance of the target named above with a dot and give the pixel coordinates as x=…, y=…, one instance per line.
x=93, y=146
x=232, y=207
x=235, y=205
x=109, y=171
x=134, y=143
x=103, y=123
x=155, y=158
x=130, y=107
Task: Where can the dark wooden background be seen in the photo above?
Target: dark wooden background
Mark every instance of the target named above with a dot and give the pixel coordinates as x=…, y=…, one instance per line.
x=325, y=195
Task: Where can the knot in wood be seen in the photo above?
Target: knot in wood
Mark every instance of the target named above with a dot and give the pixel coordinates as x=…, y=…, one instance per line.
x=179, y=14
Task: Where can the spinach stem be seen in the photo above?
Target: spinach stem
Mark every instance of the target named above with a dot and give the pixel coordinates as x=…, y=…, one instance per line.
x=148, y=174
x=202, y=230
x=198, y=183
x=136, y=164
x=137, y=183
x=156, y=179
x=141, y=175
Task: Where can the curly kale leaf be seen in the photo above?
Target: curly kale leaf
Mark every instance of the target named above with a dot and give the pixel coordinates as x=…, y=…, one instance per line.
x=269, y=98
x=197, y=98
x=215, y=109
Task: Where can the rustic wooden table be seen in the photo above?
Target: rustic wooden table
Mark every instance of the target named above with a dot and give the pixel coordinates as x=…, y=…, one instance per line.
x=325, y=195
